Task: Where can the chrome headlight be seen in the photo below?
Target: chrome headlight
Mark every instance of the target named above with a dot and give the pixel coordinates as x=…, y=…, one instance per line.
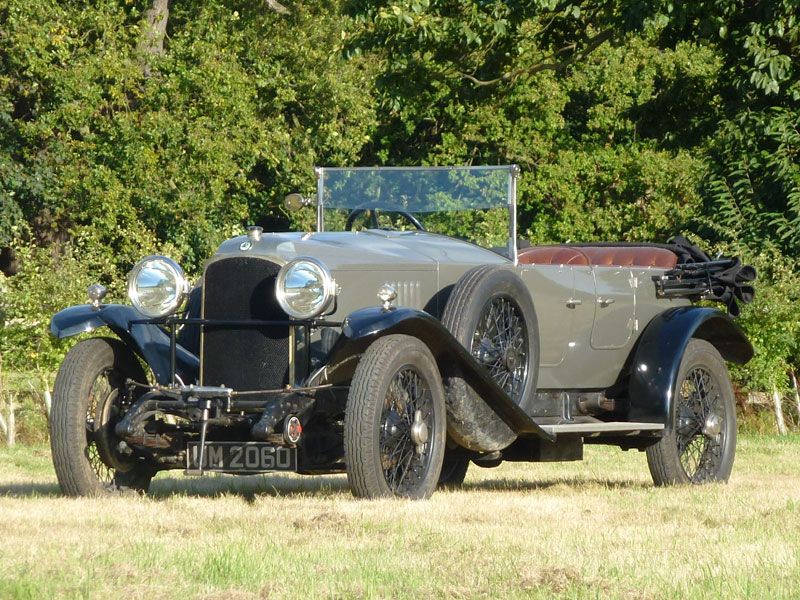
x=157, y=286
x=304, y=288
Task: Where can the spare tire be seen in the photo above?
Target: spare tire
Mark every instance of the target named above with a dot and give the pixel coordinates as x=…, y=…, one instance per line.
x=492, y=315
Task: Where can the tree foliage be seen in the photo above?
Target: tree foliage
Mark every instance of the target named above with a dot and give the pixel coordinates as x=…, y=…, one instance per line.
x=185, y=155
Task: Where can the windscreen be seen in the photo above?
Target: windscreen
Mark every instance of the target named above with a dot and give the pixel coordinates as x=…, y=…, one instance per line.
x=471, y=203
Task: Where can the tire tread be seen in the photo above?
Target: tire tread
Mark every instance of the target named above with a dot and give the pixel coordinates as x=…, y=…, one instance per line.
x=67, y=428
x=662, y=458
x=363, y=469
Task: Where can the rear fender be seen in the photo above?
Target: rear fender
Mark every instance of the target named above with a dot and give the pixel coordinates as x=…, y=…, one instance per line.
x=364, y=326
x=147, y=340
x=657, y=358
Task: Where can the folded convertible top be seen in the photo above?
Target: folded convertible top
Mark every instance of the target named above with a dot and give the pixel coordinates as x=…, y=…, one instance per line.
x=696, y=276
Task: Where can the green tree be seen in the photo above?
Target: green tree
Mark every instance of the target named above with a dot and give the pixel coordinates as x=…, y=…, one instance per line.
x=753, y=177
x=226, y=122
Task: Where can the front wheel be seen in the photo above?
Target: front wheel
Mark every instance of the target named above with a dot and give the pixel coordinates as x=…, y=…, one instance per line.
x=89, y=397
x=701, y=444
x=394, y=426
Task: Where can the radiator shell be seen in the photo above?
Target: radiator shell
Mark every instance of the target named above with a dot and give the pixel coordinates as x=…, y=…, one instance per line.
x=245, y=358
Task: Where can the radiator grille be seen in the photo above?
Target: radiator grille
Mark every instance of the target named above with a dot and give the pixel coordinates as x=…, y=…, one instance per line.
x=244, y=358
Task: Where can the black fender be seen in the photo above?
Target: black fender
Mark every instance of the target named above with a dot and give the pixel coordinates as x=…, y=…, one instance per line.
x=364, y=326
x=147, y=340
x=659, y=351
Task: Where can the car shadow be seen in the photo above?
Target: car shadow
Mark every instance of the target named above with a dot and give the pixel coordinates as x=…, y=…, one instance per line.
x=212, y=486
x=249, y=488
x=504, y=484
x=29, y=490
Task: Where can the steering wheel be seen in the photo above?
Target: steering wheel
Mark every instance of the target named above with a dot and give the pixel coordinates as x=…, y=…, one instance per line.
x=373, y=210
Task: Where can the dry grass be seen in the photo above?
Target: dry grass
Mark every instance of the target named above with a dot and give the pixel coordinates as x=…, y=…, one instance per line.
x=594, y=529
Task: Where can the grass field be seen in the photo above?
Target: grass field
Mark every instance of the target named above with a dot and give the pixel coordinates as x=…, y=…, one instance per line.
x=596, y=529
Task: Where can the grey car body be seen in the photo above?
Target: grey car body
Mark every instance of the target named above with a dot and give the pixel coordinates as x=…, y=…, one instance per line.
x=612, y=327
x=582, y=343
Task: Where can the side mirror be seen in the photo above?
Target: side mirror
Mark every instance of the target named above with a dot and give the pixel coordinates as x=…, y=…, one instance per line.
x=294, y=202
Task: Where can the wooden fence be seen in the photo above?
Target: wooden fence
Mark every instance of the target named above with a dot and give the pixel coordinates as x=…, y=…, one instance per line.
x=18, y=390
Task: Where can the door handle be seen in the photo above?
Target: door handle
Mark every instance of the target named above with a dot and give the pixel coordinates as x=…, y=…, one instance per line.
x=573, y=302
x=603, y=302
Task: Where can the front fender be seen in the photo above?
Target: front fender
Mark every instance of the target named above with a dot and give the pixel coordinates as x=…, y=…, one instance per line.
x=147, y=340
x=657, y=358
x=364, y=326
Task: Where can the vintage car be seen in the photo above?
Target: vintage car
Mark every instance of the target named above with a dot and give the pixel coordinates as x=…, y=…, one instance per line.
x=409, y=335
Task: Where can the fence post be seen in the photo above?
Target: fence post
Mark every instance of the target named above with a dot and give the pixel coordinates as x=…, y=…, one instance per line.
x=11, y=434
x=43, y=395
x=778, y=401
x=796, y=392
x=48, y=401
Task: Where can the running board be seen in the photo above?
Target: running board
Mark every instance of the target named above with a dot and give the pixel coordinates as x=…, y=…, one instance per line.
x=601, y=428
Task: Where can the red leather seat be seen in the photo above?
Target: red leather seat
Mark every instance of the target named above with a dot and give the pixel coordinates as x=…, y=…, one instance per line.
x=552, y=255
x=630, y=256
x=605, y=256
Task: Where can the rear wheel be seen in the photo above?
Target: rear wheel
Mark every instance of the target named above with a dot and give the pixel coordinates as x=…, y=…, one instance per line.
x=394, y=428
x=701, y=445
x=491, y=314
x=89, y=397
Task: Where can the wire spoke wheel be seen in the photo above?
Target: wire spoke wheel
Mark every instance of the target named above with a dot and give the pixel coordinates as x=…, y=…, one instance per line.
x=500, y=343
x=406, y=418
x=701, y=445
x=89, y=397
x=395, y=419
x=699, y=435
x=104, y=397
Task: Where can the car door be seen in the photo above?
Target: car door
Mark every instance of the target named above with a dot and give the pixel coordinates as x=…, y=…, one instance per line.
x=551, y=287
x=614, y=309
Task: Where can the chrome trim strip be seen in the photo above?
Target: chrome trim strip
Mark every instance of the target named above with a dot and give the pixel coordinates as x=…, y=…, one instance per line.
x=292, y=349
x=512, y=210
x=202, y=327
x=439, y=168
x=320, y=172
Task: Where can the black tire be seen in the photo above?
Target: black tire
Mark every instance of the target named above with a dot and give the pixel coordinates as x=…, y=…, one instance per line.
x=88, y=396
x=471, y=423
x=384, y=449
x=454, y=469
x=701, y=444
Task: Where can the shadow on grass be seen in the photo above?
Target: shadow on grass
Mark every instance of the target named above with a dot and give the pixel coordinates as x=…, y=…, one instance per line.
x=212, y=486
x=249, y=488
x=29, y=490
x=533, y=485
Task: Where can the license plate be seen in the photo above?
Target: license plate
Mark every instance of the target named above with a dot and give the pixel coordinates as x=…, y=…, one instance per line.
x=241, y=457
